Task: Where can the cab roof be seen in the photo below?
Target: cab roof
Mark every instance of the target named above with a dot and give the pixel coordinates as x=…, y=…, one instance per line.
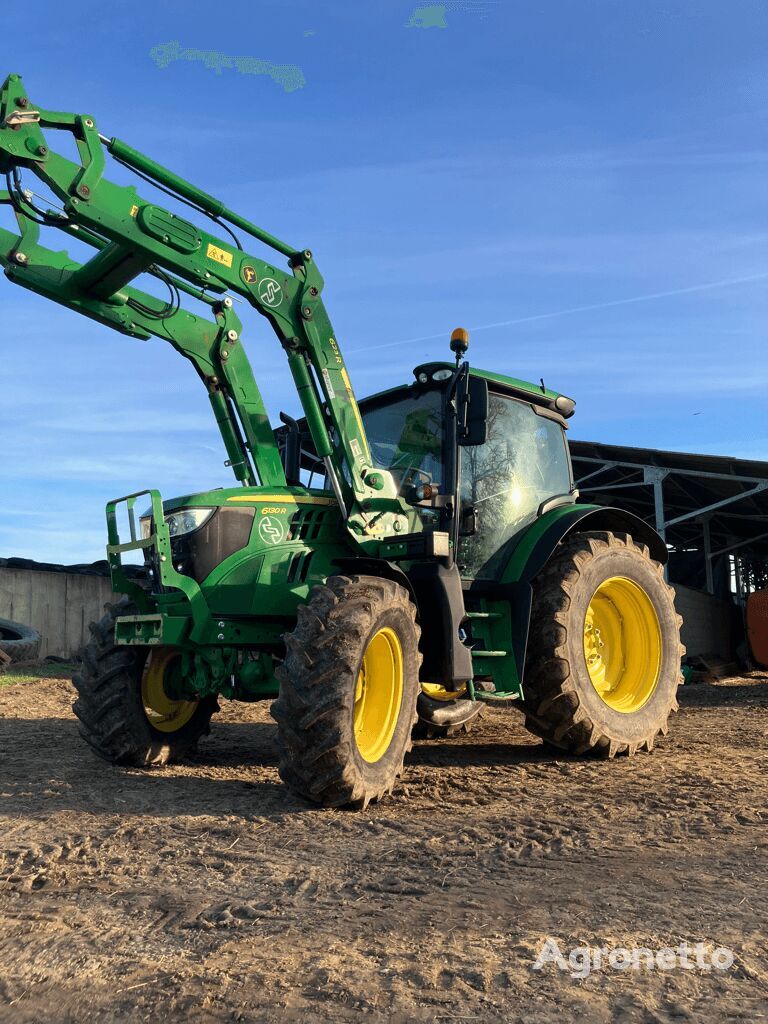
x=513, y=386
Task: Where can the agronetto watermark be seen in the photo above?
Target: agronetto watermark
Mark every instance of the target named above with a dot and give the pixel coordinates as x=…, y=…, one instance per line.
x=581, y=961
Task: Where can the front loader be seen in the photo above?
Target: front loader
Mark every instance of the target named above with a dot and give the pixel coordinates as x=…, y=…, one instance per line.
x=379, y=568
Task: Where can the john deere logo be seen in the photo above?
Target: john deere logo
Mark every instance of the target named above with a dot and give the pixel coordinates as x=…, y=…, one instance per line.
x=271, y=530
x=270, y=292
x=248, y=274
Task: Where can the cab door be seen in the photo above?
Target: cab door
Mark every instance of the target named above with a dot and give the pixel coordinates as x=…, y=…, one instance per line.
x=504, y=481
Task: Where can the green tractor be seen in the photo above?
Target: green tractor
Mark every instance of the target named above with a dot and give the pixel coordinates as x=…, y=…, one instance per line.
x=378, y=569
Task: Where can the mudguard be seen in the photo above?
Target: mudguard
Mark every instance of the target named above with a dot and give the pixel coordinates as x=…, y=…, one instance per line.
x=534, y=549
x=536, y=546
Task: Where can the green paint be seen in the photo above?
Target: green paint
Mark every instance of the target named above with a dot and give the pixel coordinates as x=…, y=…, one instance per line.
x=492, y=631
x=515, y=568
x=524, y=385
x=534, y=390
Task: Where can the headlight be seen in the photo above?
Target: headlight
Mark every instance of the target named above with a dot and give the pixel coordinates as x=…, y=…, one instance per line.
x=185, y=520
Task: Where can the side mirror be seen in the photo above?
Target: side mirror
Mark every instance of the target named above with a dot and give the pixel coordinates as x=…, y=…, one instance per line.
x=468, y=521
x=472, y=410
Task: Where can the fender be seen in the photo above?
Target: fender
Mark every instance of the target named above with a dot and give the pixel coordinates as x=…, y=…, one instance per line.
x=362, y=566
x=536, y=546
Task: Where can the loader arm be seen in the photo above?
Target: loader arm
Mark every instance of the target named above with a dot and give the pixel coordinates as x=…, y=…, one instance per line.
x=133, y=236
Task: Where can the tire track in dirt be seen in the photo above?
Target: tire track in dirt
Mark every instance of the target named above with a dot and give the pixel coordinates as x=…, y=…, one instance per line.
x=207, y=892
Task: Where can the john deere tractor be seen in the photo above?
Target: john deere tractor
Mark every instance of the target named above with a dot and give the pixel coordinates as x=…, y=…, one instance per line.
x=378, y=567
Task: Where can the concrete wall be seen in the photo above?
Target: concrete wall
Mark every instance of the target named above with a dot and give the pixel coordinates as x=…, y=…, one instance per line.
x=58, y=605
x=707, y=623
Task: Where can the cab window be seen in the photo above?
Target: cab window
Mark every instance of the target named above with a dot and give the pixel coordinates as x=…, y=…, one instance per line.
x=523, y=463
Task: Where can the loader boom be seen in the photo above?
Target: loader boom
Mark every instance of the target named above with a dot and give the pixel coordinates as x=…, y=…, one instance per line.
x=133, y=236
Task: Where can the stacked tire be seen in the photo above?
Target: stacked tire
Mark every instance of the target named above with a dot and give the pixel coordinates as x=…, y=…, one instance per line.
x=18, y=642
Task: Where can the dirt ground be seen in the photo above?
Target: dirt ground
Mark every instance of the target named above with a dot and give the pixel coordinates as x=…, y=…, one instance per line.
x=207, y=892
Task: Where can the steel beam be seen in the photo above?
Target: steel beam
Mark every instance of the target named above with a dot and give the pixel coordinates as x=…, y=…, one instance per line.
x=595, y=472
x=708, y=556
x=740, y=544
x=762, y=486
x=673, y=469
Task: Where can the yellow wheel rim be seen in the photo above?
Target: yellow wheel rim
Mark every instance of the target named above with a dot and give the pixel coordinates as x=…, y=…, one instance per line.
x=622, y=644
x=438, y=692
x=378, y=695
x=163, y=714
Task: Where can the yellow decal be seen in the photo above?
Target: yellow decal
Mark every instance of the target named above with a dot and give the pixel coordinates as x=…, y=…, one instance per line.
x=134, y=211
x=219, y=255
x=295, y=499
x=269, y=510
x=355, y=410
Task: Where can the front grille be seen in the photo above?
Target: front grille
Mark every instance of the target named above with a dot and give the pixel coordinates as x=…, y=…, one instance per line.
x=309, y=524
x=298, y=570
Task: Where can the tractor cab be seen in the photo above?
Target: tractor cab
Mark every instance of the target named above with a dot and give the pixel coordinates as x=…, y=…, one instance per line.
x=517, y=467
x=481, y=458
x=479, y=455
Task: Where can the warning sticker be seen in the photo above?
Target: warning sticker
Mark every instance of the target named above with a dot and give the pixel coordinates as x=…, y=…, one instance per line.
x=355, y=446
x=328, y=385
x=219, y=255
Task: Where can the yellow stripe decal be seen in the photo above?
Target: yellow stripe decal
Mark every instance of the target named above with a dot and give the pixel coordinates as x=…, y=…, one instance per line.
x=271, y=499
x=355, y=409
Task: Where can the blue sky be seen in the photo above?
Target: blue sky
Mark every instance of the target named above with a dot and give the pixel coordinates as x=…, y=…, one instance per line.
x=583, y=182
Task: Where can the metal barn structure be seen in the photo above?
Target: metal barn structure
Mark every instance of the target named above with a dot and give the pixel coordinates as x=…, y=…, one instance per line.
x=713, y=513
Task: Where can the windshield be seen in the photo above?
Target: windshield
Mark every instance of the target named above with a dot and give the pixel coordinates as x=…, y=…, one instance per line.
x=406, y=437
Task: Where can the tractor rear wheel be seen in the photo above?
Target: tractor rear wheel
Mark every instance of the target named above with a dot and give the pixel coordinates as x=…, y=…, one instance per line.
x=126, y=715
x=603, y=661
x=348, y=689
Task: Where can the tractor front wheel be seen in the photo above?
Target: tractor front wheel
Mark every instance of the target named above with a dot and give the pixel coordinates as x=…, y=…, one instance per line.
x=126, y=713
x=348, y=689
x=603, y=661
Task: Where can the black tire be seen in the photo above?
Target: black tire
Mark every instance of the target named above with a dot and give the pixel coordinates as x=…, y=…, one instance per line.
x=441, y=719
x=109, y=705
x=562, y=705
x=319, y=754
x=19, y=642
